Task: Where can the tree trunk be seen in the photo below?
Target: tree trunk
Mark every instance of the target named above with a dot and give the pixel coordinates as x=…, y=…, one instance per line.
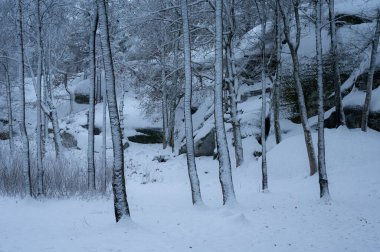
x=340, y=117
x=371, y=71
x=121, y=110
x=233, y=84
x=91, y=112
x=296, y=76
x=264, y=184
x=21, y=104
x=9, y=107
x=277, y=81
x=53, y=111
x=323, y=182
x=118, y=183
x=38, y=94
x=225, y=173
x=104, y=131
x=192, y=169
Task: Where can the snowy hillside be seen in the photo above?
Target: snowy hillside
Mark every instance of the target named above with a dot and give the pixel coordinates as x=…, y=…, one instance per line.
x=186, y=125
x=288, y=218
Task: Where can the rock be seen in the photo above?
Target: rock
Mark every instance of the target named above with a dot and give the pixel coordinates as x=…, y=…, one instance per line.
x=97, y=130
x=350, y=19
x=204, y=146
x=161, y=158
x=147, y=136
x=4, y=135
x=354, y=118
x=125, y=145
x=361, y=82
x=257, y=154
x=68, y=140
x=81, y=98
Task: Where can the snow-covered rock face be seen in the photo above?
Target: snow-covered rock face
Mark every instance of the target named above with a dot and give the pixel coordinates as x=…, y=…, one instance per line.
x=204, y=146
x=4, y=130
x=147, y=136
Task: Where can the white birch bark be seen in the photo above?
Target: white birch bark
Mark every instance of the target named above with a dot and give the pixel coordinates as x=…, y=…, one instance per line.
x=9, y=108
x=323, y=182
x=264, y=182
x=104, y=131
x=233, y=82
x=277, y=81
x=371, y=71
x=121, y=110
x=20, y=90
x=293, y=47
x=164, y=101
x=91, y=112
x=118, y=183
x=225, y=173
x=38, y=94
x=191, y=166
x=340, y=117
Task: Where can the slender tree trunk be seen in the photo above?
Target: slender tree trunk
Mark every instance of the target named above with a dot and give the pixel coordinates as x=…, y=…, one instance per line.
x=233, y=79
x=371, y=71
x=164, y=111
x=21, y=104
x=53, y=111
x=323, y=182
x=91, y=112
x=104, y=132
x=121, y=110
x=118, y=183
x=38, y=94
x=296, y=76
x=9, y=107
x=264, y=184
x=233, y=84
x=340, y=117
x=192, y=168
x=277, y=82
x=225, y=173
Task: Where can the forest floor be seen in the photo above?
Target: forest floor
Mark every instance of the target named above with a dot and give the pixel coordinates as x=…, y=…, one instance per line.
x=290, y=217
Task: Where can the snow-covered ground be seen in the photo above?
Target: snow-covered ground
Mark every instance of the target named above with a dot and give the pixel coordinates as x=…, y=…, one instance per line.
x=288, y=218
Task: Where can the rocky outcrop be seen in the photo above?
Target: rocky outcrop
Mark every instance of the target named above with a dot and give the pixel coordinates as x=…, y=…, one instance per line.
x=205, y=146
x=81, y=98
x=147, y=136
x=354, y=118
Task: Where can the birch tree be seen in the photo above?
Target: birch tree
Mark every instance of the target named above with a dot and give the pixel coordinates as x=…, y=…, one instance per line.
x=91, y=112
x=38, y=94
x=277, y=81
x=104, y=130
x=9, y=106
x=261, y=8
x=233, y=80
x=20, y=90
x=323, y=182
x=293, y=47
x=192, y=169
x=225, y=173
x=340, y=117
x=118, y=183
x=371, y=71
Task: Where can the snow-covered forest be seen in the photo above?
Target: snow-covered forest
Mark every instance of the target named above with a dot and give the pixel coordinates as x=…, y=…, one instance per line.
x=189, y=125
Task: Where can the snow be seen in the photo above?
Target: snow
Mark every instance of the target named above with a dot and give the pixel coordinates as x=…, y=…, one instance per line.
x=289, y=218
x=356, y=99
x=359, y=7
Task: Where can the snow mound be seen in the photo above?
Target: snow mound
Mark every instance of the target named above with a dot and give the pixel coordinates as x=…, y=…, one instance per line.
x=344, y=148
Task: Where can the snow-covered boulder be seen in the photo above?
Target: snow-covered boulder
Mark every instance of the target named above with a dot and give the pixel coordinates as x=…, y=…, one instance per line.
x=203, y=146
x=69, y=140
x=82, y=91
